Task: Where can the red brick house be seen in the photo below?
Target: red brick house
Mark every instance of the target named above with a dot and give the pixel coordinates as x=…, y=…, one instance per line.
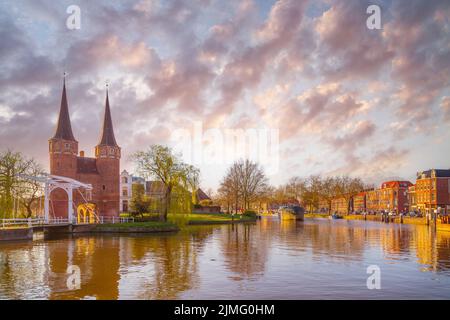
x=393, y=196
x=341, y=205
x=432, y=190
x=102, y=171
x=360, y=202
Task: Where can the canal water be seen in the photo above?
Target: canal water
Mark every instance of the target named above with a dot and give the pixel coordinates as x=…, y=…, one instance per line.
x=271, y=259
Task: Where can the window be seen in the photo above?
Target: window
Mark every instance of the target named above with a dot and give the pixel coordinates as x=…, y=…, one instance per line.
x=125, y=206
x=124, y=180
x=104, y=187
x=125, y=192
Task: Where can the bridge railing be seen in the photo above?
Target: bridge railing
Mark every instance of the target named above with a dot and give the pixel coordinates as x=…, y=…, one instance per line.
x=15, y=222
x=108, y=219
x=58, y=220
x=30, y=222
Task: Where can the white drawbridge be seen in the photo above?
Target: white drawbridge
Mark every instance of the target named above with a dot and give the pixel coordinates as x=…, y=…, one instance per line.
x=52, y=182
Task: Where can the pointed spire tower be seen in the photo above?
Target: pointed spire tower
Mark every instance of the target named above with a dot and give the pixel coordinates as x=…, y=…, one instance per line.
x=63, y=148
x=64, y=127
x=107, y=154
x=107, y=147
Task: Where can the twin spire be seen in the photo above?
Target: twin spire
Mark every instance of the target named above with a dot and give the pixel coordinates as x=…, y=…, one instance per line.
x=64, y=127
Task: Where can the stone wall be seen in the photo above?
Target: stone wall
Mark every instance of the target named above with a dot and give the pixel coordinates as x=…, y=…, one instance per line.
x=16, y=234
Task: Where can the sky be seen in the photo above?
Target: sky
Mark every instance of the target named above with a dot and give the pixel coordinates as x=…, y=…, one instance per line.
x=305, y=87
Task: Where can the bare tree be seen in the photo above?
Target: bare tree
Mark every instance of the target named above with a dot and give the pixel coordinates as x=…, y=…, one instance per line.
x=230, y=186
x=12, y=166
x=311, y=194
x=29, y=191
x=348, y=187
x=328, y=191
x=295, y=187
x=193, y=181
x=253, y=181
x=243, y=182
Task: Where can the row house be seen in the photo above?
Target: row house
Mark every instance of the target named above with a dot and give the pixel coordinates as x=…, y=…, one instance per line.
x=126, y=188
x=431, y=192
x=360, y=202
x=373, y=200
x=340, y=205
x=393, y=196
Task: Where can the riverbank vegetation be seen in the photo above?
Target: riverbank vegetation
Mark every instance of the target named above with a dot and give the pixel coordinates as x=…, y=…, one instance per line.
x=182, y=219
x=18, y=197
x=161, y=163
x=148, y=226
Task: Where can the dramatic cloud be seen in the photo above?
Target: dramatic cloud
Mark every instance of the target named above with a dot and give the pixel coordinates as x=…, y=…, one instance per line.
x=343, y=98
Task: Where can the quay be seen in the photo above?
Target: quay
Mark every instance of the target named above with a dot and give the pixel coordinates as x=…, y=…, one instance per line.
x=391, y=219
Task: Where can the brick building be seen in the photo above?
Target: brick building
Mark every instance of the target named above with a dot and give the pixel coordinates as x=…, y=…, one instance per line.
x=373, y=200
x=393, y=196
x=102, y=171
x=340, y=205
x=412, y=201
x=432, y=190
x=360, y=201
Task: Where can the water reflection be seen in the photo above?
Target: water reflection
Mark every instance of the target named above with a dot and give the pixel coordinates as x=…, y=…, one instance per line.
x=268, y=259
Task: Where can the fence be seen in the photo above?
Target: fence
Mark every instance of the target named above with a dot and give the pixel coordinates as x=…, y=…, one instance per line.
x=29, y=222
x=108, y=219
x=21, y=222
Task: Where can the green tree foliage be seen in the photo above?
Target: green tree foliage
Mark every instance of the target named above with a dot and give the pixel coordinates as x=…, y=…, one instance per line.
x=139, y=203
x=161, y=163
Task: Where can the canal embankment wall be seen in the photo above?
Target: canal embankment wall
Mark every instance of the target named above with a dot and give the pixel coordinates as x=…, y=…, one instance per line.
x=405, y=220
x=13, y=234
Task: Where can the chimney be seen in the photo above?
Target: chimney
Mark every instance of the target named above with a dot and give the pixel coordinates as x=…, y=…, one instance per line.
x=82, y=154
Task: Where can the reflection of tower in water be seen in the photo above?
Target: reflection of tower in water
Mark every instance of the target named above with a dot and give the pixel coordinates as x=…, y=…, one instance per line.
x=98, y=262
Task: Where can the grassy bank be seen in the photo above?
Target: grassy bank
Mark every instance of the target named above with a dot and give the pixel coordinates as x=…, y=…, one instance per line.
x=209, y=218
x=196, y=218
x=137, y=227
x=217, y=218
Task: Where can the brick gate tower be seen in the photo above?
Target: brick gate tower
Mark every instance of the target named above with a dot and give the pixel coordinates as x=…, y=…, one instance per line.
x=102, y=172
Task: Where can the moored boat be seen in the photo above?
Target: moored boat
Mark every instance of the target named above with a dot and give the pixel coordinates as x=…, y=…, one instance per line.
x=291, y=213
